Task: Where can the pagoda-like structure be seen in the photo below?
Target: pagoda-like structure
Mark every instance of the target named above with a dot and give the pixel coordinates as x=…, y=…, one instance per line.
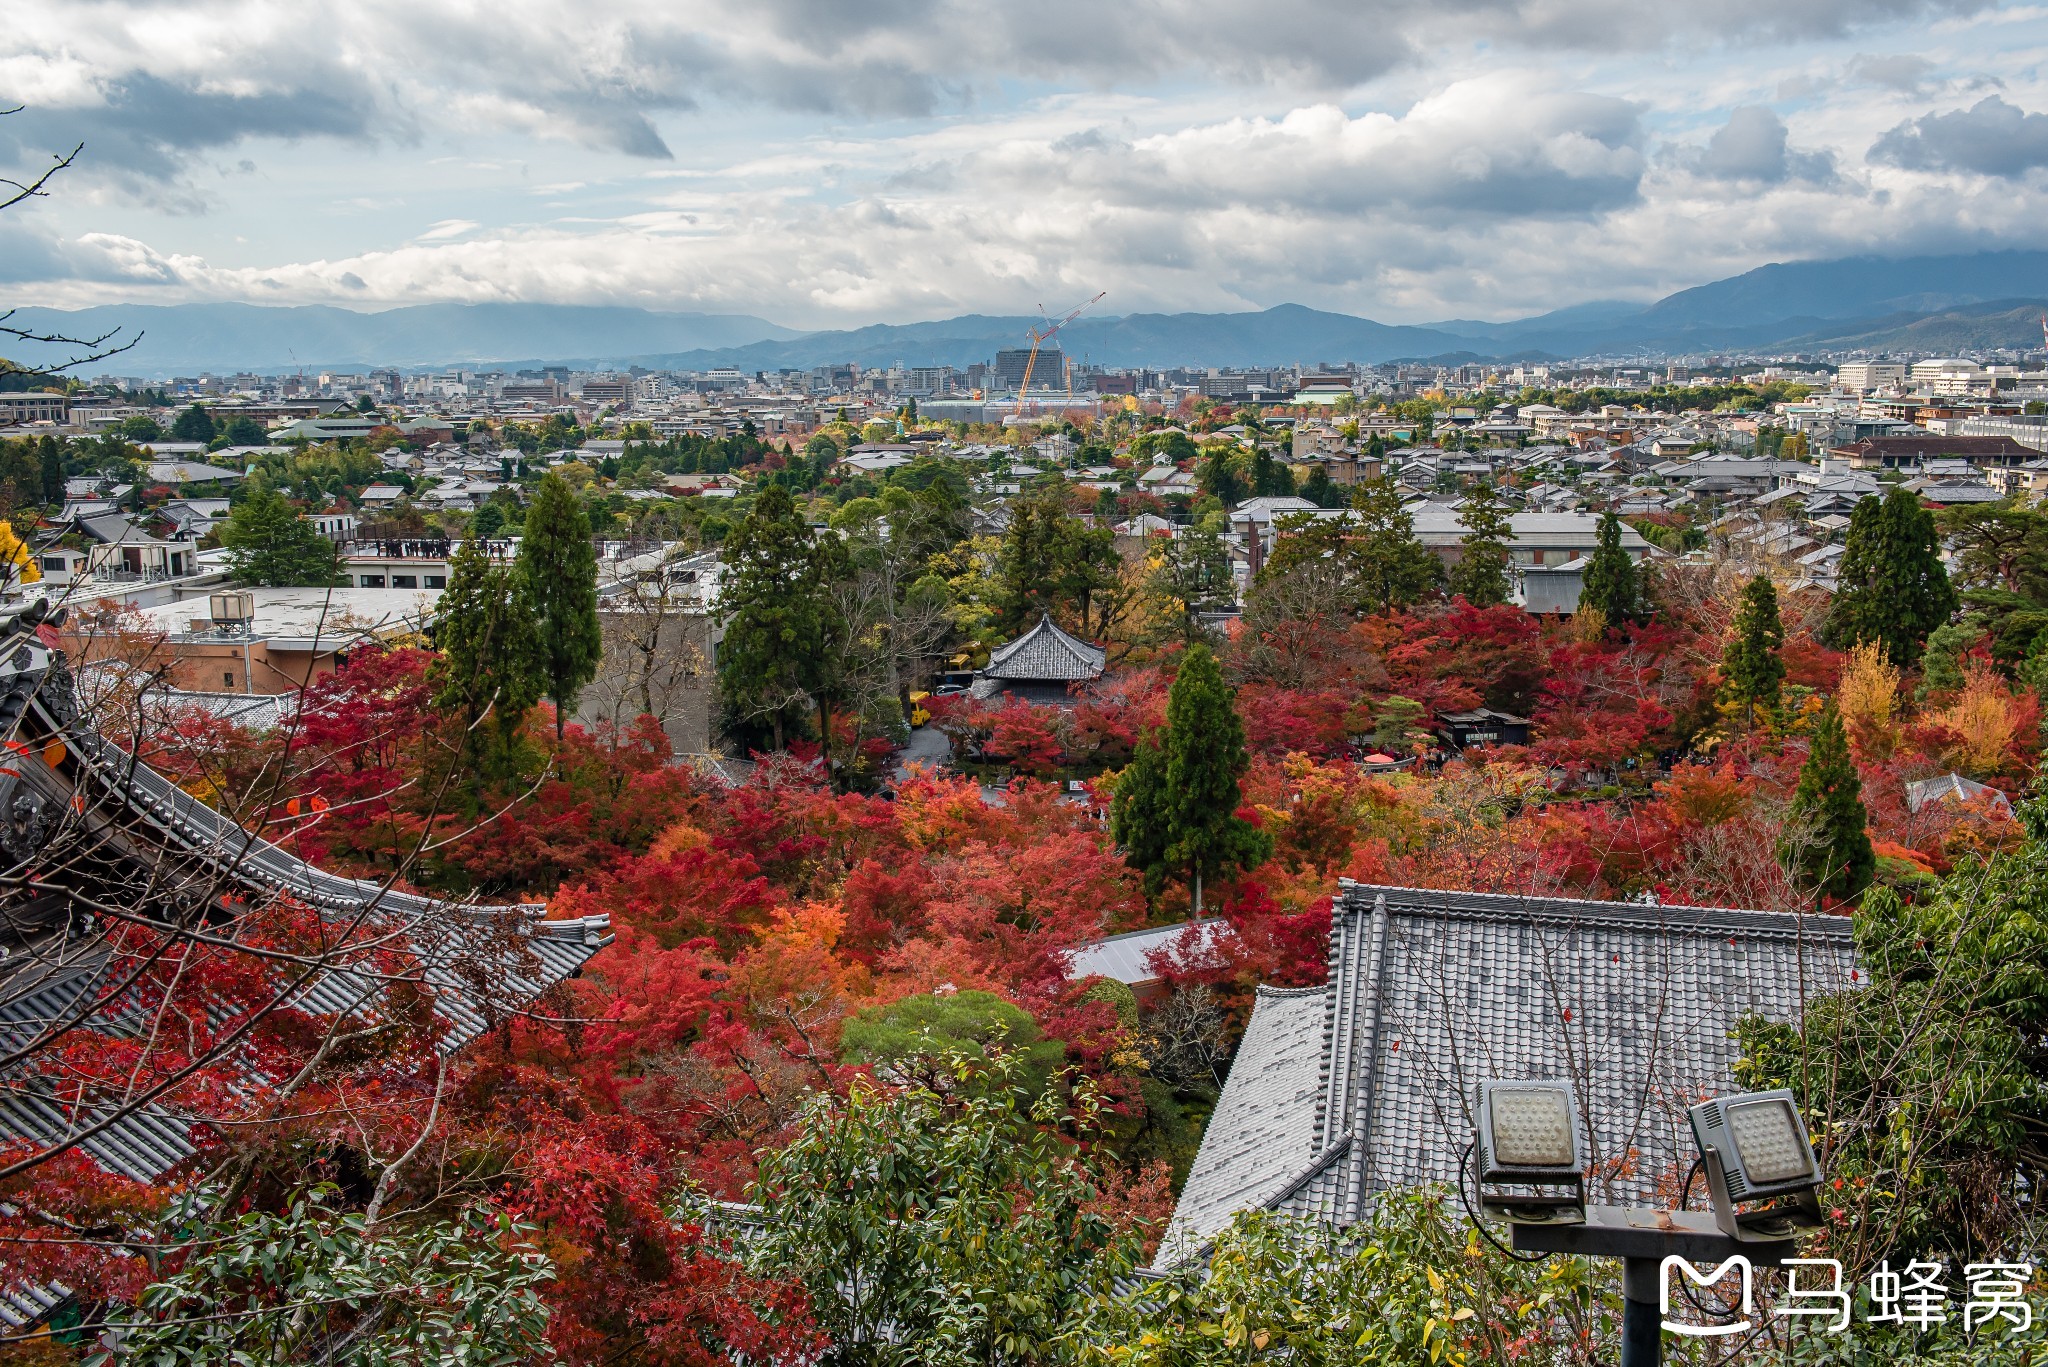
x=1042, y=665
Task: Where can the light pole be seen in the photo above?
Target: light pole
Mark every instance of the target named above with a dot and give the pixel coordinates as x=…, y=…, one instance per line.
x=1762, y=1175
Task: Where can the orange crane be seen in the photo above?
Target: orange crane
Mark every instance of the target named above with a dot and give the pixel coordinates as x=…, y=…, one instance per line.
x=1040, y=336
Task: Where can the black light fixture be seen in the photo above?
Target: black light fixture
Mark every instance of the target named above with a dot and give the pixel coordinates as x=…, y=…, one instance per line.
x=1529, y=1138
x=1757, y=1155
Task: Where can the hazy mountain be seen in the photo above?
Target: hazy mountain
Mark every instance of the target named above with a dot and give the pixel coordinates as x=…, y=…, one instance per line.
x=1798, y=303
x=1936, y=303
x=187, y=338
x=1277, y=336
x=2011, y=323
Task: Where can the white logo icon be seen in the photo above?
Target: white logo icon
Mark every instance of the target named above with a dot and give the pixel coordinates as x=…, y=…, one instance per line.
x=1742, y=1268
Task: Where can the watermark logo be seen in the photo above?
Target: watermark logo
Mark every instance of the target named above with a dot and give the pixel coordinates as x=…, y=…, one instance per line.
x=1685, y=1269
x=1915, y=1296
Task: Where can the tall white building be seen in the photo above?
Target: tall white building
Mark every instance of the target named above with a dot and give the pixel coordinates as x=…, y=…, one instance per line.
x=1864, y=376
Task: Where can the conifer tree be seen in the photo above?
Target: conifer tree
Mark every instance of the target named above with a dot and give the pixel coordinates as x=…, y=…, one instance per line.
x=1830, y=852
x=490, y=668
x=1176, y=807
x=780, y=623
x=194, y=424
x=1612, y=585
x=560, y=568
x=1750, y=662
x=53, y=471
x=1481, y=573
x=269, y=543
x=1892, y=588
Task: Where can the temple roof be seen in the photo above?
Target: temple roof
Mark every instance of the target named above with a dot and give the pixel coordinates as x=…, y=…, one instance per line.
x=479, y=963
x=1366, y=1084
x=1045, y=654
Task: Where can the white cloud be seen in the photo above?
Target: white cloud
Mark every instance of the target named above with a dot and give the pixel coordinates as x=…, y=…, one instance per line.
x=915, y=158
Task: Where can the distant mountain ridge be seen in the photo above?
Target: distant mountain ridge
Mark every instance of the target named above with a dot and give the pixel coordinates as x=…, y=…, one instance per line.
x=187, y=338
x=1955, y=302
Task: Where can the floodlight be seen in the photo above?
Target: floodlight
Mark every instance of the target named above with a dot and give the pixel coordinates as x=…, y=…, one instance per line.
x=1757, y=1153
x=1529, y=1137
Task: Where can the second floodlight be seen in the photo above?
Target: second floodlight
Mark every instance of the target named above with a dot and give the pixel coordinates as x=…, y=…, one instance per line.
x=1761, y=1168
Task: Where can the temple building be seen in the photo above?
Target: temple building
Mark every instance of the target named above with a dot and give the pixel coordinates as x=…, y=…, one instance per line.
x=105, y=855
x=1042, y=665
x=1367, y=1083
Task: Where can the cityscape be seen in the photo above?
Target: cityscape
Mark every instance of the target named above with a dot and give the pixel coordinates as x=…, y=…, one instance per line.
x=1300, y=691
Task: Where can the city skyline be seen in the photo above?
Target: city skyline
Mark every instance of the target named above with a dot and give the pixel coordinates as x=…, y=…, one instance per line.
x=822, y=169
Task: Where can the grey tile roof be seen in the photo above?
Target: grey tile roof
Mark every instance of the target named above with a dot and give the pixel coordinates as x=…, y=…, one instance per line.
x=1125, y=957
x=480, y=962
x=1045, y=653
x=1263, y=1134
x=1431, y=992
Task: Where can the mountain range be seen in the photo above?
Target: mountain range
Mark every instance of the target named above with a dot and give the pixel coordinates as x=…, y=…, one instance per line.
x=1927, y=303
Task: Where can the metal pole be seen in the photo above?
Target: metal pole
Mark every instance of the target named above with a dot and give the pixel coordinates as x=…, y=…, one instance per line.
x=1642, y=1317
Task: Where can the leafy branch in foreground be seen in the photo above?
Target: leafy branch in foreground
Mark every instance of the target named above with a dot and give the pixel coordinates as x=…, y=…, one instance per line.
x=314, y=1281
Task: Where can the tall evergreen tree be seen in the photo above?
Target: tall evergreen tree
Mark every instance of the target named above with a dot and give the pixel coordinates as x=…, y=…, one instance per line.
x=780, y=623
x=1481, y=573
x=269, y=543
x=1176, y=808
x=1751, y=662
x=1051, y=562
x=1830, y=851
x=1612, y=585
x=490, y=665
x=560, y=568
x=194, y=424
x=1892, y=588
x=53, y=470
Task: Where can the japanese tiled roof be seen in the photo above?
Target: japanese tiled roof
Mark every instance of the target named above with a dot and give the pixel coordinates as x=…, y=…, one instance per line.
x=1045, y=654
x=1128, y=957
x=1365, y=1084
x=56, y=966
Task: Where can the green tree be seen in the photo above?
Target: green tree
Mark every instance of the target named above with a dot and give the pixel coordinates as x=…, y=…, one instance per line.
x=1193, y=576
x=560, y=567
x=781, y=625
x=1828, y=844
x=464, y=1292
x=1051, y=562
x=194, y=424
x=489, y=665
x=1892, y=587
x=243, y=430
x=1612, y=584
x=919, y=1037
x=942, y=1225
x=1408, y=1286
x=269, y=543
x=1481, y=574
x=1928, y=1069
x=1321, y=490
x=487, y=521
x=1373, y=548
x=1750, y=662
x=53, y=470
x=140, y=427
x=1175, y=810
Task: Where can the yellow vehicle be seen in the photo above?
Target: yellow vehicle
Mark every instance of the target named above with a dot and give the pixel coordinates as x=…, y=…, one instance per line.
x=919, y=713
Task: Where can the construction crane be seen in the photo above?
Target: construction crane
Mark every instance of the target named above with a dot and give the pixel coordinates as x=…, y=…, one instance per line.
x=1040, y=336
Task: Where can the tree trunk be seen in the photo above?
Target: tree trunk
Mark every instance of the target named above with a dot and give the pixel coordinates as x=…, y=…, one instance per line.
x=825, y=738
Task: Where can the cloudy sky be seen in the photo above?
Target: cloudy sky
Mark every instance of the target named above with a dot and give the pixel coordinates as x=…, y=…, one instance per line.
x=839, y=162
